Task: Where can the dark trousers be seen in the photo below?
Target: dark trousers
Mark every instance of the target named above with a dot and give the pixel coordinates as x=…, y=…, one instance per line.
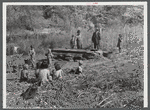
x=119, y=49
x=96, y=46
x=79, y=46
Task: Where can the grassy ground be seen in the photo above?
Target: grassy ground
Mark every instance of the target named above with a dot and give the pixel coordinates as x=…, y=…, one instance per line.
x=113, y=83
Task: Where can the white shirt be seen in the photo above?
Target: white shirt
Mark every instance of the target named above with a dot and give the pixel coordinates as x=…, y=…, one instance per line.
x=80, y=69
x=15, y=49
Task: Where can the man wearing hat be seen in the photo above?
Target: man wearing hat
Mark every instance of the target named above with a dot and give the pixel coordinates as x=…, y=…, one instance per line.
x=79, y=40
x=32, y=56
x=96, y=39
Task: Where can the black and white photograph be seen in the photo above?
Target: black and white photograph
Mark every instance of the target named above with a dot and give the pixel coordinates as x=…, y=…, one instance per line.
x=74, y=55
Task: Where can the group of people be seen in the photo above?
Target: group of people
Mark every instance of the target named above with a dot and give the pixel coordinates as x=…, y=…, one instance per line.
x=45, y=74
x=42, y=75
x=76, y=41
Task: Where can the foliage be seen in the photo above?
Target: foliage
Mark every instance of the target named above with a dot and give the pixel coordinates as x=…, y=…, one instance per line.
x=93, y=89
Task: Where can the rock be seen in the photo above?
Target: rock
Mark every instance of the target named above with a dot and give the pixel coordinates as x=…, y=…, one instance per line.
x=107, y=54
x=89, y=56
x=68, y=58
x=77, y=57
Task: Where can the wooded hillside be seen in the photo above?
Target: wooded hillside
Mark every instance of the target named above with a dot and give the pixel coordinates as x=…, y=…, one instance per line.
x=51, y=23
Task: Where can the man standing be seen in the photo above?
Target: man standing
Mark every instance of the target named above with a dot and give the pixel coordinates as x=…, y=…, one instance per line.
x=79, y=40
x=119, y=42
x=73, y=42
x=32, y=56
x=49, y=56
x=96, y=39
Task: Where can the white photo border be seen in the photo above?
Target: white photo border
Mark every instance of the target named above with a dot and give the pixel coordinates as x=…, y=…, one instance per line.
x=78, y=3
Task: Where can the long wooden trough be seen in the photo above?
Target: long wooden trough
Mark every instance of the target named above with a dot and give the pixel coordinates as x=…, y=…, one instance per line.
x=79, y=51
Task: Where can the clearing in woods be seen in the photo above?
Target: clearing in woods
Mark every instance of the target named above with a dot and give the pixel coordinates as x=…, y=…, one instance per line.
x=112, y=81
x=115, y=82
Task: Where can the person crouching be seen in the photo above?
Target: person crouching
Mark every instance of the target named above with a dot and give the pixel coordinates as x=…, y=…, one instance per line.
x=80, y=68
x=57, y=73
x=24, y=74
x=43, y=75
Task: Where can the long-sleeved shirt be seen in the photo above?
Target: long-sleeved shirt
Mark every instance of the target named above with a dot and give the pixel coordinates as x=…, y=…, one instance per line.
x=96, y=37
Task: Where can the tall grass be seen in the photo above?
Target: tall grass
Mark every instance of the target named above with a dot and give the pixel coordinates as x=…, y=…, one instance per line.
x=109, y=39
